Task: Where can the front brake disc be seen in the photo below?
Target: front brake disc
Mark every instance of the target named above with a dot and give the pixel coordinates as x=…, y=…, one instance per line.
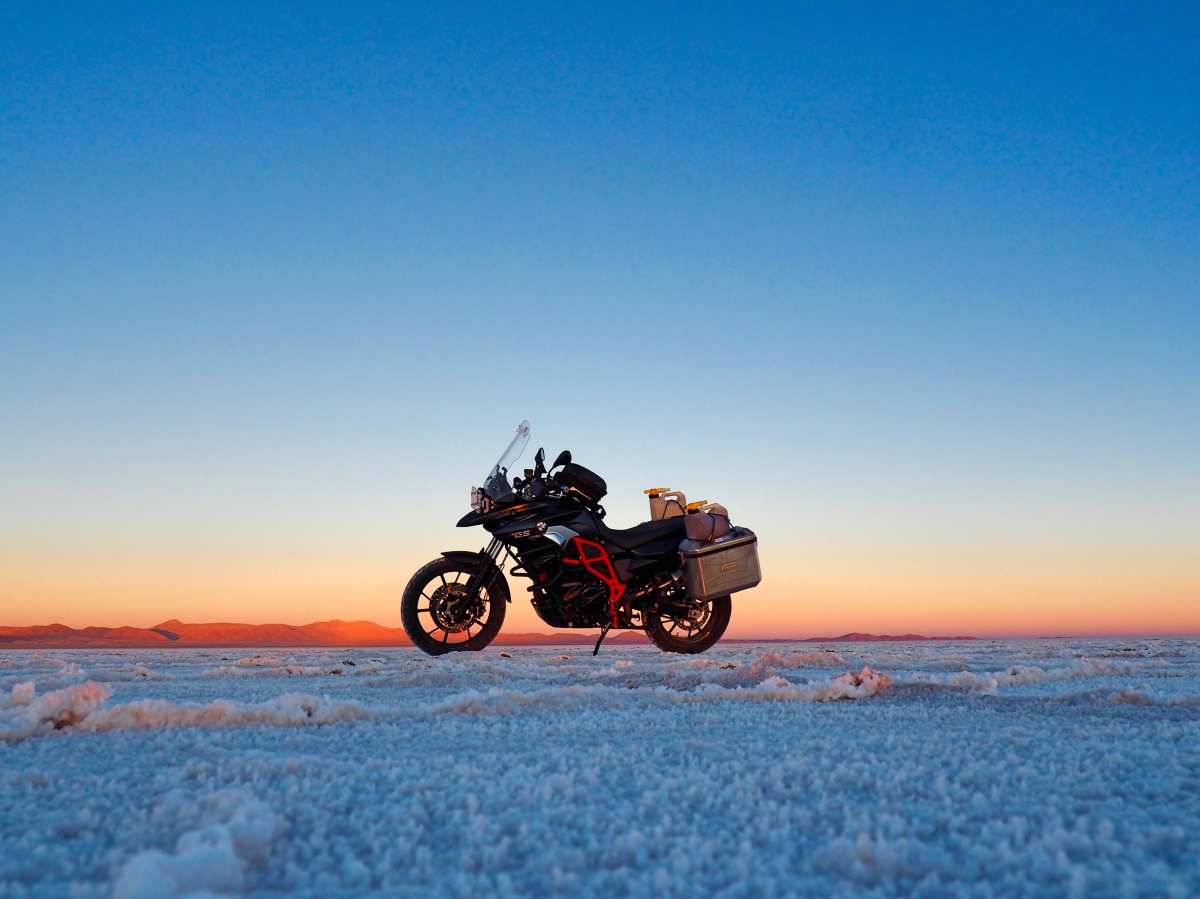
x=442, y=606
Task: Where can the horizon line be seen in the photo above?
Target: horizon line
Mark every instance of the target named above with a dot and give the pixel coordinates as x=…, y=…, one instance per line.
x=16, y=633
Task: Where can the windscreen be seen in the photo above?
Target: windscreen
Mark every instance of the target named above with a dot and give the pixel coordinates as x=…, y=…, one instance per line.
x=513, y=453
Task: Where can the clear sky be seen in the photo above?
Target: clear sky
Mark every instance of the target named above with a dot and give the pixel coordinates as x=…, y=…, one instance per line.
x=913, y=289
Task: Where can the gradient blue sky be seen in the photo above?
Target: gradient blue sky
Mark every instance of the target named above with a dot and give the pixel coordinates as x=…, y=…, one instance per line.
x=914, y=289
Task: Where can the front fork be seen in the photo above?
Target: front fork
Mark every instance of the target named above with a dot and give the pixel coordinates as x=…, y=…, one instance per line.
x=493, y=551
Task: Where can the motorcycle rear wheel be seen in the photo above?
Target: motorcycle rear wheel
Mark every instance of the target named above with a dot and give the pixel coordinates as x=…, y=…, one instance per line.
x=427, y=609
x=672, y=634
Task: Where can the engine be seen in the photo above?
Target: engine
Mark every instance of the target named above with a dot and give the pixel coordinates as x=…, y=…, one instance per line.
x=566, y=595
x=584, y=601
x=572, y=596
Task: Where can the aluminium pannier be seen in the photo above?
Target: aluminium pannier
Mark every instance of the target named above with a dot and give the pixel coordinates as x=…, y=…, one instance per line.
x=717, y=569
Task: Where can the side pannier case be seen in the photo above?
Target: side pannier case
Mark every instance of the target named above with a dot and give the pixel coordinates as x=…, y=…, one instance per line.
x=716, y=569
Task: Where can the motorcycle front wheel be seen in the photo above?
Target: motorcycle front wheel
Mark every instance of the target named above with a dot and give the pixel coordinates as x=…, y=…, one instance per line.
x=690, y=635
x=434, y=613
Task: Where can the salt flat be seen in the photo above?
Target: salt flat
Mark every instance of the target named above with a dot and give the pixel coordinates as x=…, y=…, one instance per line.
x=1006, y=768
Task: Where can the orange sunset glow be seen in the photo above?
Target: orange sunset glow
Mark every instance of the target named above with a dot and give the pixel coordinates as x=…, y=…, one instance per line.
x=813, y=591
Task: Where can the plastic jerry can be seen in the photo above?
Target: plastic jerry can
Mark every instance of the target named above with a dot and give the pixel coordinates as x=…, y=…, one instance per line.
x=706, y=521
x=665, y=503
x=674, y=504
x=657, y=503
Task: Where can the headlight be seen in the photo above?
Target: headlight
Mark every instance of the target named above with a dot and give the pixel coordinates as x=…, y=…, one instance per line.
x=476, y=498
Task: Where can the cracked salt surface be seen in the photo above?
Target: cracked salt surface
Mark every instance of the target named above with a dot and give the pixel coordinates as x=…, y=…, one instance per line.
x=1007, y=768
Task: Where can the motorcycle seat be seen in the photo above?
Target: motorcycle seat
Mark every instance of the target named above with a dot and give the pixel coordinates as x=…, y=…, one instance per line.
x=641, y=534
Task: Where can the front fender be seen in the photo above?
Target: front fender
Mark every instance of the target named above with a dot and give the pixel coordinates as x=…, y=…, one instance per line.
x=497, y=573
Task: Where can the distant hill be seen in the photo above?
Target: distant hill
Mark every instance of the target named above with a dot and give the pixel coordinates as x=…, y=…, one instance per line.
x=54, y=635
x=878, y=638
x=175, y=633
x=320, y=633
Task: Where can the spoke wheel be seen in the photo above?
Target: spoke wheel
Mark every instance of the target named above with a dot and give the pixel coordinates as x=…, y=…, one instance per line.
x=691, y=633
x=436, y=616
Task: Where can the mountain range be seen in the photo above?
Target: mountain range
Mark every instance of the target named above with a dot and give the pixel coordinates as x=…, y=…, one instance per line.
x=175, y=633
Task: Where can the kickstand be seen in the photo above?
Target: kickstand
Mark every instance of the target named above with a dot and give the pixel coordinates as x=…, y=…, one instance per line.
x=603, y=634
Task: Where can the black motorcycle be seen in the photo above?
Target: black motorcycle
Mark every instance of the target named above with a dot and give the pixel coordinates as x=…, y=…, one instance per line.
x=584, y=574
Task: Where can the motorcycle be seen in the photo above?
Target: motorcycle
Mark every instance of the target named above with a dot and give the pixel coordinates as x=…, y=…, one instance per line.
x=583, y=573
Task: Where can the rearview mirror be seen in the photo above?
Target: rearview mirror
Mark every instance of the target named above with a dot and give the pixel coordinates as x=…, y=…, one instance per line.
x=564, y=458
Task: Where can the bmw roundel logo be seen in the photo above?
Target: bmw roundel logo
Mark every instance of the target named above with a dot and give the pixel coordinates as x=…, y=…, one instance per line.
x=541, y=527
